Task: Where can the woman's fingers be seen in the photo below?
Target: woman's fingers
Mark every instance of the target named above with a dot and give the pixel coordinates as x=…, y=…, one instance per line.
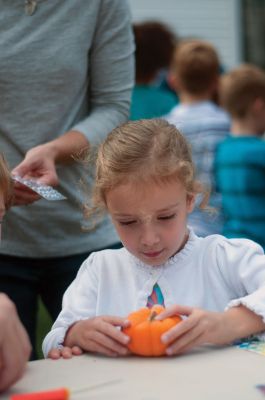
x=23, y=197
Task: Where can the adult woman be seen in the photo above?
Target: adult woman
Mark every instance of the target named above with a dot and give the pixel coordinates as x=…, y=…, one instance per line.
x=66, y=73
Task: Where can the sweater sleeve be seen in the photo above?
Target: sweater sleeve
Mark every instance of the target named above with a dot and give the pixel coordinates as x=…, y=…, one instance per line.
x=242, y=264
x=111, y=71
x=79, y=302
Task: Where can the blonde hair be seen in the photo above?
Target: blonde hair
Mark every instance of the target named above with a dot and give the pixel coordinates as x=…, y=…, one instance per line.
x=240, y=87
x=196, y=65
x=6, y=183
x=142, y=151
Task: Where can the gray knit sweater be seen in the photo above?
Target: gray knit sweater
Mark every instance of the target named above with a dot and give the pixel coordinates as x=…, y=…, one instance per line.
x=67, y=66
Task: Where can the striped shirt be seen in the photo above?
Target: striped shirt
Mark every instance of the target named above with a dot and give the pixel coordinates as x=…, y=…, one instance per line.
x=204, y=125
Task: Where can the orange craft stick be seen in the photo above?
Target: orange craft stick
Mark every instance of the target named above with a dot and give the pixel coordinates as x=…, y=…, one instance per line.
x=56, y=394
x=61, y=393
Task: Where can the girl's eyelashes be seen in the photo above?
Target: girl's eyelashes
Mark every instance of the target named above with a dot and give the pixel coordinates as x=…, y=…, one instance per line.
x=161, y=218
x=126, y=222
x=165, y=217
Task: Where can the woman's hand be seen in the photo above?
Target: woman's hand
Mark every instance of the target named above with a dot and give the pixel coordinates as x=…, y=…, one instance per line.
x=38, y=164
x=99, y=335
x=202, y=327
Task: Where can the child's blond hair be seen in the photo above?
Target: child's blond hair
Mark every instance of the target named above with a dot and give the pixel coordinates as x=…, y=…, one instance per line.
x=143, y=151
x=6, y=183
x=240, y=87
x=196, y=66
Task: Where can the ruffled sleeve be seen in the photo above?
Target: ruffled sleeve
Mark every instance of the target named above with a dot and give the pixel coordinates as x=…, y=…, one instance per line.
x=242, y=264
x=79, y=302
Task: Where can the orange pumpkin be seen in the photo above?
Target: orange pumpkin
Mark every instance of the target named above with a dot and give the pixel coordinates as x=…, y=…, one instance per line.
x=145, y=331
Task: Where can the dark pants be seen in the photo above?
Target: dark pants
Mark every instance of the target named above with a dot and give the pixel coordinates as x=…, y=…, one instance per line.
x=24, y=279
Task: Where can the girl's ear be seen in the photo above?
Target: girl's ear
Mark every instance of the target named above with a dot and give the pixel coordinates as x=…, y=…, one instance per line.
x=190, y=202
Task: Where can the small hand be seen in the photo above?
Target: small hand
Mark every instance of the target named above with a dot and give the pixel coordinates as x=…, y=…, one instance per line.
x=100, y=335
x=38, y=164
x=199, y=328
x=65, y=352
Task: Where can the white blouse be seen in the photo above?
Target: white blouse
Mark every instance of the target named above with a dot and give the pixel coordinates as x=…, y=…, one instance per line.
x=213, y=273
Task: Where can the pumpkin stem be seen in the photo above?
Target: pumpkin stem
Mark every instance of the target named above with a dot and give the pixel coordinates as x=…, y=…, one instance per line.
x=152, y=315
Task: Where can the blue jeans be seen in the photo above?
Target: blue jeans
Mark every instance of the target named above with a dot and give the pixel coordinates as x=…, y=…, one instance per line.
x=25, y=279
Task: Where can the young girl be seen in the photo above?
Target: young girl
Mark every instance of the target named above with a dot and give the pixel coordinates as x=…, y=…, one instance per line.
x=145, y=180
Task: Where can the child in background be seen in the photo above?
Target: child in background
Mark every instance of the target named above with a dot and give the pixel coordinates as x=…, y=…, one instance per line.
x=195, y=74
x=145, y=180
x=155, y=45
x=240, y=160
x=14, y=343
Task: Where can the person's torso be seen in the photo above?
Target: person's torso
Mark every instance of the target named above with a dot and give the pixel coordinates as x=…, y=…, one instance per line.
x=150, y=102
x=44, y=85
x=188, y=278
x=204, y=125
x=240, y=172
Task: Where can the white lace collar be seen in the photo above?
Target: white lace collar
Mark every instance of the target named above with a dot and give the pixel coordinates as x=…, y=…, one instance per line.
x=183, y=253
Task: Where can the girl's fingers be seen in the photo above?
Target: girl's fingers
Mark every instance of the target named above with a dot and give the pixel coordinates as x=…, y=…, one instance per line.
x=117, y=321
x=174, y=310
x=96, y=347
x=54, y=354
x=108, y=343
x=179, y=348
x=178, y=330
x=188, y=340
x=112, y=332
x=77, y=351
x=65, y=352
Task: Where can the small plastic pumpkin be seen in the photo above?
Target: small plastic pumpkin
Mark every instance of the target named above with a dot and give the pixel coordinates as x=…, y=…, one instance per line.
x=145, y=331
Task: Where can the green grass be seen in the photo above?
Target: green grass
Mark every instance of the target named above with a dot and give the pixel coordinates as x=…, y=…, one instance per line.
x=44, y=323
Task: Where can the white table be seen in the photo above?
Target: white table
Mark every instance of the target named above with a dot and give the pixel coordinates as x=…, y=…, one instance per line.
x=206, y=374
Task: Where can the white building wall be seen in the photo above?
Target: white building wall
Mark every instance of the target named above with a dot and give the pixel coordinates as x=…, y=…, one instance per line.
x=218, y=21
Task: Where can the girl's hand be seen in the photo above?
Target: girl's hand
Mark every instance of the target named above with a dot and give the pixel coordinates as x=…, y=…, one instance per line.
x=199, y=328
x=100, y=335
x=65, y=352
